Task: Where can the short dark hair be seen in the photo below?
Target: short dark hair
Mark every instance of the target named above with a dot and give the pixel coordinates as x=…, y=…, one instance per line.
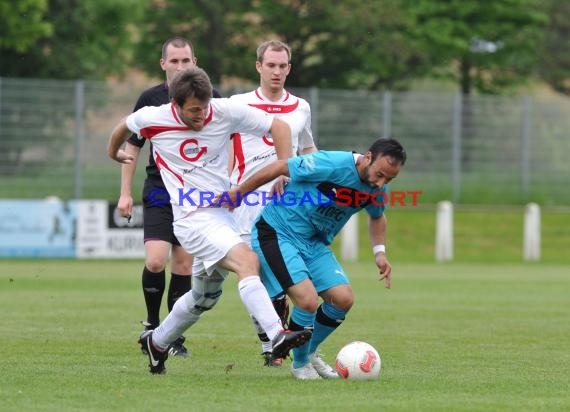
x=190, y=83
x=275, y=45
x=388, y=147
x=177, y=42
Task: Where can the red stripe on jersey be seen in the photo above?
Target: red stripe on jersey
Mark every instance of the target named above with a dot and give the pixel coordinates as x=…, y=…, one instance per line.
x=209, y=118
x=276, y=108
x=151, y=131
x=239, y=158
x=160, y=163
x=174, y=114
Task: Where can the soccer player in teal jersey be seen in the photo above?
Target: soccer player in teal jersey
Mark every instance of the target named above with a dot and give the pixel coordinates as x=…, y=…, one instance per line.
x=292, y=234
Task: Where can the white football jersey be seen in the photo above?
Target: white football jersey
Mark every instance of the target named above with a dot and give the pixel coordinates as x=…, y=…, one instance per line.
x=252, y=153
x=193, y=165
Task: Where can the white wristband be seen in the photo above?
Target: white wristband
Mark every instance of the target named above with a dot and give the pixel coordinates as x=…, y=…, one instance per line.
x=378, y=248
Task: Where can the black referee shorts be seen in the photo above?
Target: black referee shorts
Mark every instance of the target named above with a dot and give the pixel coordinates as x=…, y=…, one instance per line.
x=157, y=218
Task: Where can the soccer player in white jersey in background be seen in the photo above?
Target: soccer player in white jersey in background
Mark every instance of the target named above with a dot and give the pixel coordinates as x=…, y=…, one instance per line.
x=250, y=153
x=190, y=139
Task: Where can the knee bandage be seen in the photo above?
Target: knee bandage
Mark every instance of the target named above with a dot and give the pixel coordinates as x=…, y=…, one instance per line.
x=206, y=292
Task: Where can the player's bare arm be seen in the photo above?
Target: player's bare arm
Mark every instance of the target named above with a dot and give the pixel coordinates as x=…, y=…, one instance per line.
x=377, y=231
x=118, y=137
x=125, y=203
x=267, y=174
x=281, y=133
x=283, y=152
x=278, y=187
x=307, y=150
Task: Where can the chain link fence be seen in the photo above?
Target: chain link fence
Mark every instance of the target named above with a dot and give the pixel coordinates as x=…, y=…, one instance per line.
x=472, y=150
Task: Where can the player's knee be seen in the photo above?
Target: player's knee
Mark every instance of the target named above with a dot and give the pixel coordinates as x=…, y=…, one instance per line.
x=248, y=264
x=155, y=263
x=340, y=296
x=181, y=261
x=345, y=303
x=344, y=300
x=182, y=267
x=307, y=302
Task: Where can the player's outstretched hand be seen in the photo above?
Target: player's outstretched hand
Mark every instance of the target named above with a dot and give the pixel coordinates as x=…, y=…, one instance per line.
x=385, y=269
x=125, y=206
x=230, y=199
x=279, y=186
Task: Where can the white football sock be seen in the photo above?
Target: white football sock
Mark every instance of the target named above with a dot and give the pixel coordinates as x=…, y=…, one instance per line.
x=255, y=298
x=178, y=320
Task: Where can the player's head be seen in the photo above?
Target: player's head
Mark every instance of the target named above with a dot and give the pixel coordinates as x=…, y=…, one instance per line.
x=191, y=91
x=273, y=64
x=177, y=54
x=382, y=162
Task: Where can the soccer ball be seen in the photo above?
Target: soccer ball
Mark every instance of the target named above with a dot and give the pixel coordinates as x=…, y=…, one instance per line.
x=358, y=361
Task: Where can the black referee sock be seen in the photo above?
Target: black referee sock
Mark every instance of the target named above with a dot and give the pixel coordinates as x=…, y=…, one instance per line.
x=179, y=285
x=153, y=289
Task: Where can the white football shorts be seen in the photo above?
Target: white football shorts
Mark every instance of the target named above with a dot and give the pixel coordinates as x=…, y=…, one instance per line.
x=244, y=216
x=208, y=234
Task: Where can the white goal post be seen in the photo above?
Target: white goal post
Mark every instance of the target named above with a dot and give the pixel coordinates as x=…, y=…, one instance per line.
x=444, y=232
x=349, y=240
x=531, y=245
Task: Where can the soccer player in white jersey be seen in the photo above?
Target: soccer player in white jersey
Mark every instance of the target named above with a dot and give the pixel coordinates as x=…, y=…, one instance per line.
x=190, y=139
x=250, y=153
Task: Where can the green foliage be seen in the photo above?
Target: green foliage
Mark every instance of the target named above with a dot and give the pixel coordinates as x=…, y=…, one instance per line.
x=349, y=44
x=22, y=23
x=91, y=39
x=493, y=45
x=217, y=29
x=487, y=47
x=452, y=338
x=555, y=55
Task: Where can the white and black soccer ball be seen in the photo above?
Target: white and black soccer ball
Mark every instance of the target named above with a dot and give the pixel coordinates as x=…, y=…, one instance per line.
x=358, y=361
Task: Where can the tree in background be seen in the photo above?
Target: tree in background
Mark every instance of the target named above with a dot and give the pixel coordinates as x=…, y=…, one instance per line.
x=346, y=44
x=91, y=39
x=72, y=39
x=22, y=23
x=217, y=29
x=486, y=46
x=555, y=54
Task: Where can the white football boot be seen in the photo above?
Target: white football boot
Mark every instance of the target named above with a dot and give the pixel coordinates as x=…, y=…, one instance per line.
x=322, y=368
x=305, y=372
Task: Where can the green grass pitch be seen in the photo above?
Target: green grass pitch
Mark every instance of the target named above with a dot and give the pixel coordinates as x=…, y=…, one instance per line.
x=453, y=337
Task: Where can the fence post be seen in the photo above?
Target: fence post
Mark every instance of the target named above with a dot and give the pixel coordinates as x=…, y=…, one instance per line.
x=456, y=148
x=79, y=135
x=387, y=115
x=525, y=147
x=349, y=240
x=531, y=248
x=0, y=107
x=314, y=103
x=444, y=232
